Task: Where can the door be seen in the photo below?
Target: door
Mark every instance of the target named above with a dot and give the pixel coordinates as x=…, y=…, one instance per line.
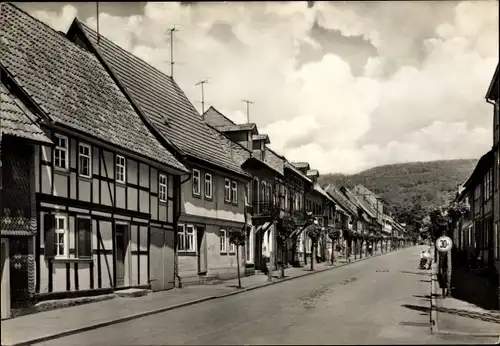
x=162, y=261
x=5, y=280
x=201, y=242
x=121, y=243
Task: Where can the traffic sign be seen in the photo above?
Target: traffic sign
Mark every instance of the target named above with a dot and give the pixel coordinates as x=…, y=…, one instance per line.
x=444, y=244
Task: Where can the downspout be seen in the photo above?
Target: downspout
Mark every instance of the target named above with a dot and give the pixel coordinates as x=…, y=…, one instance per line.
x=491, y=235
x=177, y=216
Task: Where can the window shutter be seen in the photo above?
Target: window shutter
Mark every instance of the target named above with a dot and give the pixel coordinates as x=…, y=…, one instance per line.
x=84, y=238
x=49, y=227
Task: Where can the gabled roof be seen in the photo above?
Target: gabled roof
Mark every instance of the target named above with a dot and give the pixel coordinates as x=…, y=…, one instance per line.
x=239, y=153
x=369, y=211
x=313, y=173
x=216, y=119
x=320, y=190
x=262, y=137
x=160, y=100
x=342, y=200
x=301, y=165
x=493, y=92
x=296, y=171
x=17, y=120
x=482, y=166
x=70, y=85
x=363, y=190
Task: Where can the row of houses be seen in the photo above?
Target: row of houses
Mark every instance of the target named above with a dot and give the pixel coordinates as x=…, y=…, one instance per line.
x=479, y=231
x=110, y=178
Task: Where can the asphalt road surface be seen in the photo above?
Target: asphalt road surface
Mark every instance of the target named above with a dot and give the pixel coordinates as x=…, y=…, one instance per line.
x=383, y=300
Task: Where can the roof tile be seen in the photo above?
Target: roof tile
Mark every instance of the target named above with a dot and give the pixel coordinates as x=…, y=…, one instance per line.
x=17, y=120
x=72, y=86
x=164, y=103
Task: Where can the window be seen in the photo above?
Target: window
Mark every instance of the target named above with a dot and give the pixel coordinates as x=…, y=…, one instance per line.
x=286, y=199
x=196, y=182
x=232, y=247
x=84, y=160
x=120, y=169
x=162, y=188
x=223, y=241
x=60, y=237
x=496, y=237
x=185, y=238
x=234, y=191
x=181, y=236
x=247, y=194
x=208, y=185
x=263, y=192
x=190, y=244
x=227, y=190
x=61, y=152
x=84, y=238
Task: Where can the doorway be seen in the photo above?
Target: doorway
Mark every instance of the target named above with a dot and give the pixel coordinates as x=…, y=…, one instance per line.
x=121, y=244
x=201, y=241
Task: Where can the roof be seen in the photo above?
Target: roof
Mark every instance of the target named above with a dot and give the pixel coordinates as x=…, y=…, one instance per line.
x=342, y=200
x=493, y=92
x=301, y=165
x=275, y=160
x=363, y=190
x=368, y=210
x=71, y=86
x=319, y=189
x=485, y=162
x=313, y=173
x=17, y=120
x=296, y=171
x=236, y=127
x=239, y=153
x=161, y=101
x=263, y=137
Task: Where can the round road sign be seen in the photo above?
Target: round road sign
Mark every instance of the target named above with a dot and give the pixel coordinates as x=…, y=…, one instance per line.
x=444, y=244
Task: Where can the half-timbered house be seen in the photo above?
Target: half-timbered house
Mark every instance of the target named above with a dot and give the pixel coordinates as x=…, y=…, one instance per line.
x=19, y=137
x=213, y=199
x=107, y=189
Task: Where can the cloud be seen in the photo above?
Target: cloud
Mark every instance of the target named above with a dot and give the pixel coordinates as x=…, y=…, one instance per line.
x=419, y=95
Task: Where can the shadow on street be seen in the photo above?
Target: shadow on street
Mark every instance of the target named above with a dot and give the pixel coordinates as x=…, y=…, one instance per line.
x=415, y=273
x=487, y=317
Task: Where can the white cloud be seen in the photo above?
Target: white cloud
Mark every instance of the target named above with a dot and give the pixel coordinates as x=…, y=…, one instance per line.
x=430, y=107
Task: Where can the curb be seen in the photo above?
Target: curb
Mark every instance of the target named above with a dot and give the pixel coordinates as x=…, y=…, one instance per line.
x=172, y=307
x=434, y=313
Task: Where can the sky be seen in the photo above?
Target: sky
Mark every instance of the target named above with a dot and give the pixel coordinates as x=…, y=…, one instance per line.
x=345, y=86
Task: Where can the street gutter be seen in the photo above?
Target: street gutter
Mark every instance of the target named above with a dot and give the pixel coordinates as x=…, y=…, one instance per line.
x=177, y=306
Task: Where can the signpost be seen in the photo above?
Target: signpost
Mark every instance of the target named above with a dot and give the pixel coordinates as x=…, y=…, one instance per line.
x=444, y=244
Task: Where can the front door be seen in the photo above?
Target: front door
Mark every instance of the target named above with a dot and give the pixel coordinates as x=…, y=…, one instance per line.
x=202, y=250
x=121, y=243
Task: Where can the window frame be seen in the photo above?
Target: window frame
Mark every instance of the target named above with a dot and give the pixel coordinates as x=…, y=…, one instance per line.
x=65, y=232
x=223, y=240
x=65, y=150
x=198, y=185
x=77, y=233
x=210, y=182
x=182, y=236
x=89, y=157
x=227, y=190
x=231, y=248
x=123, y=166
x=234, y=192
x=193, y=234
x=162, y=186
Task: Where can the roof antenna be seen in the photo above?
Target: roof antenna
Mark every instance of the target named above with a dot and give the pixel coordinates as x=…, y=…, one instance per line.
x=172, y=51
x=98, y=35
x=202, y=82
x=248, y=109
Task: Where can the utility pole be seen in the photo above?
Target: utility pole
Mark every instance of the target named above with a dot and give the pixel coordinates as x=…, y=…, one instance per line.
x=97, y=17
x=202, y=83
x=172, y=51
x=248, y=109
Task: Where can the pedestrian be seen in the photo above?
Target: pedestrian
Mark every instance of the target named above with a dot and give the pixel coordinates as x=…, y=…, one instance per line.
x=370, y=249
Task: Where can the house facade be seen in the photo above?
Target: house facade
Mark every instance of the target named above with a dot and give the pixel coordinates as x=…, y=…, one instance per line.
x=19, y=138
x=213, y=199
x=106, y=188
x=493, y=97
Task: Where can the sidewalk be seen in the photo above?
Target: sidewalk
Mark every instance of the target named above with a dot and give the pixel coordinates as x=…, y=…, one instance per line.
x=454, y=316
x=43, y=326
